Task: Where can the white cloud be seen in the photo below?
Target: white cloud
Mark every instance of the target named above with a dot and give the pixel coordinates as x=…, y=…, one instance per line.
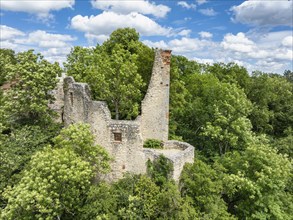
x=271, y=47
x=239, y=43
x=202, y=60
x=208, y=12
x=264, y=13
x=7, y=33
x=126, y=7
x=41, y=8
x=56, y=54
x=288, y=41
x=269, y=53
x=204, y=34
x=184, y=4
x=92, y=38
x=159, y=44
x=185, y=45
x=54, y=47
x=106, y=22
x=185, y=32
x=46, y=40
x=200, y=2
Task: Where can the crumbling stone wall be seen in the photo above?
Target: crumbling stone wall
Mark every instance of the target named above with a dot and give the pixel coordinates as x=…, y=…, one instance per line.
x=155, y=105
x=177, y=152
x=123, y=139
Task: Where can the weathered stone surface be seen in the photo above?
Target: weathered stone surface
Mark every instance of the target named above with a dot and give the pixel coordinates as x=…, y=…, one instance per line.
x=155, y=105
x=124, y=139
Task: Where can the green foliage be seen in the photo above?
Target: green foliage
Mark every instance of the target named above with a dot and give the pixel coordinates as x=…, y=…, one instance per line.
x=288, y=74
x=100, y=203
x=256, y=181
x=230, y=73
x=16, y=150
x=284, y=145
x=153, y=143
x=215, y=118
x=79, y=139
x=115, y=71
x=218, y=108
x=78, y=61
x=142, y=203
x=52, y=187
x=203, y=184
x=272, y=97
x=7, y=56
x=27, y=101
x=140, y=198
x=160, y=170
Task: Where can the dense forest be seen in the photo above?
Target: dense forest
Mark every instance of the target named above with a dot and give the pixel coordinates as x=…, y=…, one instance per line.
x=240, y=124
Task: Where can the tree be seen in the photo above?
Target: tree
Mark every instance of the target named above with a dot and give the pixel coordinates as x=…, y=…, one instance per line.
x=33, y=78
x=272, y=98
x=117, y=71
x=288, y=75
x=78, y=61
x=255, y=186
x=230, y=73
x=53, y=187
x=204, y=185
x=79, y=139
x=215, y=118
x=56, y=181
x=7, y=56
x=16, y=150
x=160, y=170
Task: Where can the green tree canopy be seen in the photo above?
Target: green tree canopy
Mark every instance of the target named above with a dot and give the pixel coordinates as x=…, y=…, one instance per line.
x=117, y=71
x=32, y=78
x=256, y=183
x=52, y=188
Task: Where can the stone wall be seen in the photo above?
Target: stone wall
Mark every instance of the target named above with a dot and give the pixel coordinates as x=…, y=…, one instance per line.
x=126, y=150
x=121, y=138
x=155, y=105
x=177, y=152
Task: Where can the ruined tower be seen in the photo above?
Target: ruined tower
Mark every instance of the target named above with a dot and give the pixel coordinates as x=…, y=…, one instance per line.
x=123, y=139
x=155, y=105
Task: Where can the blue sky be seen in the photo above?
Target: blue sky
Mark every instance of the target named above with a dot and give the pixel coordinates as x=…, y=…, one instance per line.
x=256, y=34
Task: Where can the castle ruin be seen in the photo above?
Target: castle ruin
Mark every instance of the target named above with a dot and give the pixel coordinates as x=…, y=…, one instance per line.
x=124, y=139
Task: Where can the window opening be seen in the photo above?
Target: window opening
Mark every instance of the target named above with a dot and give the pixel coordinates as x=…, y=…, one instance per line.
x=117, y=136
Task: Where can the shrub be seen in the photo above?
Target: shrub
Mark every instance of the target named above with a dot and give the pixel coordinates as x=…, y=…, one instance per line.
x=153, y=143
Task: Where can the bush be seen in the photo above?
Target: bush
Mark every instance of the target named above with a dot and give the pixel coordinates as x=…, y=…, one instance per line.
x=153, y=143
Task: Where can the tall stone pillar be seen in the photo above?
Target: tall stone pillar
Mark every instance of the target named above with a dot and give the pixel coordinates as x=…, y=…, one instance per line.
x=155, y=106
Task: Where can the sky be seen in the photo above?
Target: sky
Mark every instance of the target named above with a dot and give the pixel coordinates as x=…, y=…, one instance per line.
x=256, y=34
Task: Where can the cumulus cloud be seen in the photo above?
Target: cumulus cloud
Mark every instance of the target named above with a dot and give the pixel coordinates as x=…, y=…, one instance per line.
x=288, y=41
x=126, y=7
x=183, y=46
x=184, y=4
x=185, y=32
x=270, y=52
x=239, y=43
x=41, y=8
x=208, y=12
x=159, y=44
x=54, y=47
x=46, y=40
x=204, y=34
x=106, y=22
x=271, y=48
x=9, y=32
x=264, y=13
